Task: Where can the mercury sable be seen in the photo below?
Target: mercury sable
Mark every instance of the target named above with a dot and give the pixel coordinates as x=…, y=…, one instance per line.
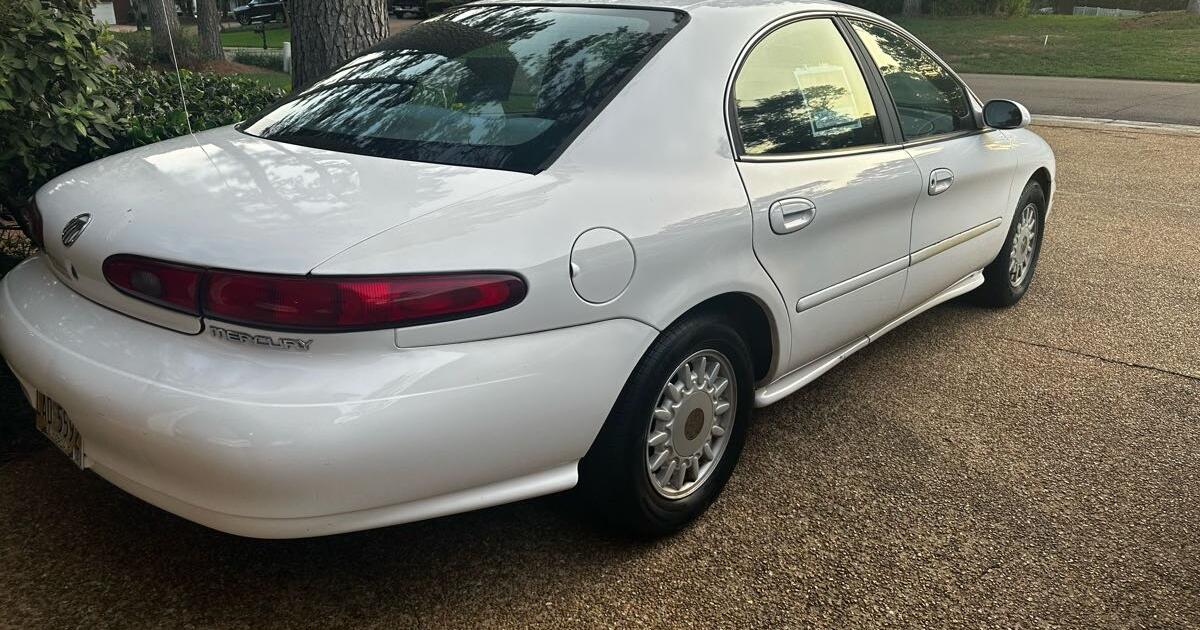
x=512, y=250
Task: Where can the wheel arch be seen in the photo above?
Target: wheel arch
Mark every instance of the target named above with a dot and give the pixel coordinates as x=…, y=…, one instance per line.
x=1042, y=176
x=754, y=320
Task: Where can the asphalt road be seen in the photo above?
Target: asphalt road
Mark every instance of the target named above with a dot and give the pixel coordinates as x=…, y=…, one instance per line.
x=1145, y=101
x=1033, y=467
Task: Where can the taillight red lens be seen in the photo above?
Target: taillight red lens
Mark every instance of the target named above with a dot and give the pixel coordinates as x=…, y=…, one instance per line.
x=340, y=303
x=172, y=286
x=313, y=303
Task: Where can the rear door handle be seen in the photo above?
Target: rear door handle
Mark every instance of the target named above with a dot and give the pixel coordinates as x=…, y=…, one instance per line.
x=940, y=181
x=789, y=215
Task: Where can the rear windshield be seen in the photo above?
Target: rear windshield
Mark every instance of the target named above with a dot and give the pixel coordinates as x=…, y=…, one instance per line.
x=491, y=86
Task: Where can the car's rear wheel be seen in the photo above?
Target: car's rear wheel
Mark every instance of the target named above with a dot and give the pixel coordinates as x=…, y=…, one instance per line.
x=676, y=432
x=1008, y=277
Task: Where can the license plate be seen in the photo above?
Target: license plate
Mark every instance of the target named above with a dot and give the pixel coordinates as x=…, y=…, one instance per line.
x=53, y=422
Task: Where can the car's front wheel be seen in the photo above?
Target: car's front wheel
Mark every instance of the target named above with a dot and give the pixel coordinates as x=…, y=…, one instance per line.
x=676, y=432
x=1007, y=278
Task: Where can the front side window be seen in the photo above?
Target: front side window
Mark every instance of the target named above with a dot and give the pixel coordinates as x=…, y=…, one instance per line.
x=929, y=100
x=800, y=90
x=490, y=86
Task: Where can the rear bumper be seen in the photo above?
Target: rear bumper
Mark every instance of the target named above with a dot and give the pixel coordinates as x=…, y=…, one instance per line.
x=265, y=443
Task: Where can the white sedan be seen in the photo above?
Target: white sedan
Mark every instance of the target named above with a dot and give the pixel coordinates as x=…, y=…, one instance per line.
x=513, y=250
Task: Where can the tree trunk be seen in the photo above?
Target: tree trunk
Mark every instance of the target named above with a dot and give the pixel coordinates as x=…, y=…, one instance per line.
x=327, y=33
x=162, y=21
x=912, y=8
x=1194, y=7
x=208, y=23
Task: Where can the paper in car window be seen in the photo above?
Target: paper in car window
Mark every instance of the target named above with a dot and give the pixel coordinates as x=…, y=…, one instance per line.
x=830, y=101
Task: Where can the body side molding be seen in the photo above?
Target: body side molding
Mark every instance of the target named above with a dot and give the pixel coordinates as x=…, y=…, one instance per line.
x=851, y=284
x=926, y=253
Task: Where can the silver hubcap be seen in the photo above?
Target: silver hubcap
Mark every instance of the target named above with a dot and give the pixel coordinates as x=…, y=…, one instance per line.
x=691, y=424
x=1020, y=259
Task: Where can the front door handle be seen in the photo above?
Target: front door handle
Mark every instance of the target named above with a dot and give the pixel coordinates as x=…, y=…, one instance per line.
x=940, y=181
x=789, y=215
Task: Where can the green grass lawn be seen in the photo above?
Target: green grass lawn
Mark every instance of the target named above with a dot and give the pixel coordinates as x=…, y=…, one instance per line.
x=247, y=38
x=1161, y=46
x=271, y=78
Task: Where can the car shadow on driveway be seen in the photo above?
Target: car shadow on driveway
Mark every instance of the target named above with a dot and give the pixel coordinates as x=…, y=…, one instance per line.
x=890, y=483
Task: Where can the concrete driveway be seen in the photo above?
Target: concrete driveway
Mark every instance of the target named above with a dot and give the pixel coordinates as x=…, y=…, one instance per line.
x=1033, y=467
x=1146, y=101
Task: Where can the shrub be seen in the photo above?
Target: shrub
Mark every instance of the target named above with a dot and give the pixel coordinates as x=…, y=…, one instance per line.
x=270, y=59
x=152, y=112
x=54, y=97
x=146, y=110
x=1012, y=7
x=139, y=50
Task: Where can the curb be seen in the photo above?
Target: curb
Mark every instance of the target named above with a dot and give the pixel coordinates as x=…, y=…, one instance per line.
x=1113, y=124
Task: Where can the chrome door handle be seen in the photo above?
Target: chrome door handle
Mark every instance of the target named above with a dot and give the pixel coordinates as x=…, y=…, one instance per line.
x=940, y=181
x=789, y=215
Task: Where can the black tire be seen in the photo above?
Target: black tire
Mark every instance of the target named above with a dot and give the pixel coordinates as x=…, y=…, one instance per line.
x=614, y=481
x=998, y=290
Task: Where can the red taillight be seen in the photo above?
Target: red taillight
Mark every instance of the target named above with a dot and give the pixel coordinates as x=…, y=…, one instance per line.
x=314, y=303
x=339, y=303
x=172, y=286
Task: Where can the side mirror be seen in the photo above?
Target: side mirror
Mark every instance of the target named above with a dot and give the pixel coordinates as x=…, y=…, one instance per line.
x=1003, y=114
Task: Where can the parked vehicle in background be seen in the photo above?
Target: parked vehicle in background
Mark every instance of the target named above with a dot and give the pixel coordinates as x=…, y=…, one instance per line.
x=409, y=9
x=261, y=11
x=512, y=250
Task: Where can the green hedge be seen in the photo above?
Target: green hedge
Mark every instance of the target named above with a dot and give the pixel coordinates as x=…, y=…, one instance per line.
x=1148, y=6
x=146, y=109
x=151, y=112
x=269, y=59
x=977, y=7
x=140, y=51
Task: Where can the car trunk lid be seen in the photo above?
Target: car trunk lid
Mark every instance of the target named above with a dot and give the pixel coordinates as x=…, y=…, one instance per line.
x=223, y=199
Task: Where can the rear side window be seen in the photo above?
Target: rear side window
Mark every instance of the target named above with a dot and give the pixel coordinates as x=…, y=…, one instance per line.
x=800, y=90
x=491, y=86
x=929, y=100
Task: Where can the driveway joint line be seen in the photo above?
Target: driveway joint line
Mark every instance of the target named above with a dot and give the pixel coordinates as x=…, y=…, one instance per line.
x=1150, y=201
x=1101, y=358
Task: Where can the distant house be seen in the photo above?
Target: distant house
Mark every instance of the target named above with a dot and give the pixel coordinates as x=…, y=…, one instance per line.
x=124, y=11
x=105, y=12
x=113, y=12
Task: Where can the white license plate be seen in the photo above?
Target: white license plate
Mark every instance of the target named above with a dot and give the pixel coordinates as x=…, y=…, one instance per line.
x=53, y=422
